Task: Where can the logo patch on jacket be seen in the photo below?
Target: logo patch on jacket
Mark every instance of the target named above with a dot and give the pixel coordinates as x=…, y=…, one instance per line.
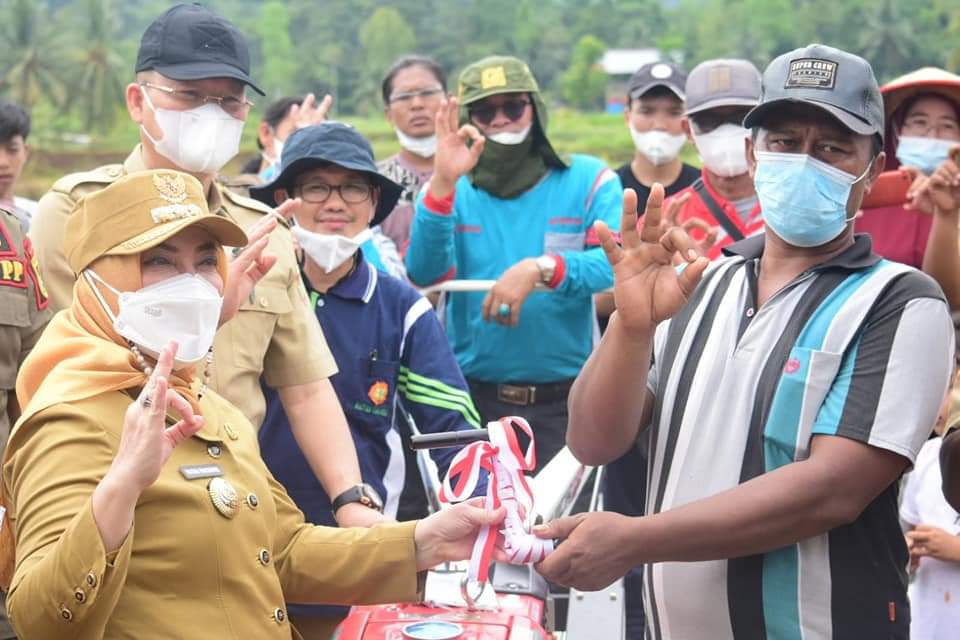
x=378, y=393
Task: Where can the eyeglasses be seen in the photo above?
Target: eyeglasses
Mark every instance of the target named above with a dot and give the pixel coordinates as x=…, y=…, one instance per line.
x=922, y=126
x=236, y=107
x=350, y=192
x=408, y=96
x=484, y=112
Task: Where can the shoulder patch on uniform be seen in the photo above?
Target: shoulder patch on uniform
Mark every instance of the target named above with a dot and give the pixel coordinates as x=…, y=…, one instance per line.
x=101, y=175
x=33, y=268
x=244, y=201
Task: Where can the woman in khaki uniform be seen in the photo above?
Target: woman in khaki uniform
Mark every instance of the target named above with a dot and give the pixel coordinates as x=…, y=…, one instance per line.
x=138, y=499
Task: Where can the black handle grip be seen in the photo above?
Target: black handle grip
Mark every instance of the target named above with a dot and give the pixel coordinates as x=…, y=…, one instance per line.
x=448, y=439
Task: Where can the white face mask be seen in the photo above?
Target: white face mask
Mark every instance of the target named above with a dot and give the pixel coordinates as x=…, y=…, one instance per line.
x=185, y=308
x=199, y=140
x=723, y=151
x=329, y=251
x=423, y=147
x=277, y=151
x=511, y=137
x=659, y=147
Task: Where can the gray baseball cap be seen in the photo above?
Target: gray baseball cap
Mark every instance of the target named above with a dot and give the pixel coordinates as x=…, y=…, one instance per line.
x=657, y=74
x=840, y=83
x=722, y=83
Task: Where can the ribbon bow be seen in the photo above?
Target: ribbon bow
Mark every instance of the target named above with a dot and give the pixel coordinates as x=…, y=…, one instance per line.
x=505, y=463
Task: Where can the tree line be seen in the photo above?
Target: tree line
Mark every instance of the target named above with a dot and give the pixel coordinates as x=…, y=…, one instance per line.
x=68, y=60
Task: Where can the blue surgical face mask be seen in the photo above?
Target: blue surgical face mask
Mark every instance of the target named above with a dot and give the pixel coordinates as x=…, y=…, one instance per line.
x=926, y=154
x=804, y=200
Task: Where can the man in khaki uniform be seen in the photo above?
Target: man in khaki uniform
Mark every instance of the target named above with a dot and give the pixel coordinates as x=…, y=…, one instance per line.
x=189, y=102
x=24, y=312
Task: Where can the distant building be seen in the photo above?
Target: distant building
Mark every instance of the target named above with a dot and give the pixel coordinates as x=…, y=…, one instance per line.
x=619, y=65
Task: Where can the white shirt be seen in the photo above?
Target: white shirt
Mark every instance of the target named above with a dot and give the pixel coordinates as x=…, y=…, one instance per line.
x=935, y=592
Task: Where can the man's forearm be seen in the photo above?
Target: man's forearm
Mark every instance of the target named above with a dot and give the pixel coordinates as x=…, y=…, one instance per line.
x=950, y=468
x=941, y=259
x=607, y=403
x=322, y=433
x=779, y=508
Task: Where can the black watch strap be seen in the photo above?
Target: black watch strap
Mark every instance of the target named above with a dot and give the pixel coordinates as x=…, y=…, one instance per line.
x=362, y=493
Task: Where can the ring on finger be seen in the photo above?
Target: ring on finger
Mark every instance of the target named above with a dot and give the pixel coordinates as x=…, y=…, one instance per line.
x=147, y=401
x=503, y=310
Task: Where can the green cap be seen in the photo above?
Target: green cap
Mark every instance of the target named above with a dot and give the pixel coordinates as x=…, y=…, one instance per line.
x=493, y=75
x=505, y=74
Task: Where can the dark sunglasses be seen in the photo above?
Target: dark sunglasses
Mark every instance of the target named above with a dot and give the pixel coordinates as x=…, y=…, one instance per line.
x=484, y=113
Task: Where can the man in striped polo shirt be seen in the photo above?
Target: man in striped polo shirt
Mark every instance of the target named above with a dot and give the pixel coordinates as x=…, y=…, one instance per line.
x=792, y=383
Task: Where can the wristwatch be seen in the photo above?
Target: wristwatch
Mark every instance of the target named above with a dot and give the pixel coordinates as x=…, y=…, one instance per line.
x=547, y=266
x=362, y=493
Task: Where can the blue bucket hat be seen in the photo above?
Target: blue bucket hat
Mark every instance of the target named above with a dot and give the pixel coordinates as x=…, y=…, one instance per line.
x=329, y=143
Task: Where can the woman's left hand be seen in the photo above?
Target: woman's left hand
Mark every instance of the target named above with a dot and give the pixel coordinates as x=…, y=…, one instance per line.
x=450, y=534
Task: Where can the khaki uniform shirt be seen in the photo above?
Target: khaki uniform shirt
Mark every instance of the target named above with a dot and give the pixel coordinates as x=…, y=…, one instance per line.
x=184, y=569
x=275, y=334
x=24, y=311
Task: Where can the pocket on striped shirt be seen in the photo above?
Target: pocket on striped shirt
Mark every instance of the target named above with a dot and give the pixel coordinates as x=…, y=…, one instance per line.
x=805, y=381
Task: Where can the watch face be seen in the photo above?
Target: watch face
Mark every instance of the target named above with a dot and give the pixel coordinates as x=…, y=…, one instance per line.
x=370, y=498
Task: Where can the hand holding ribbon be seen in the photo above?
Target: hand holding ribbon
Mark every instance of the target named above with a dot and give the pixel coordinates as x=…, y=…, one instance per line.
x=502, y=458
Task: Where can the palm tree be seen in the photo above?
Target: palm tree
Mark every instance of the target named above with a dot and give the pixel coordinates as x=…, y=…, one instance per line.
x=30, y=56
x=888, y=40
x=99, y=88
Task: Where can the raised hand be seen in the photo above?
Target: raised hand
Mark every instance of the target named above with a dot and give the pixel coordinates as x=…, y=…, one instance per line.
x=146, y=442
x=940, y=192
x=309, y=112
x=458, y=149
x=250, y=265
x=647, y=287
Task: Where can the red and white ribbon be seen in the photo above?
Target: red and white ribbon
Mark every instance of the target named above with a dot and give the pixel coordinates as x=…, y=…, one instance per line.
x=507, y=485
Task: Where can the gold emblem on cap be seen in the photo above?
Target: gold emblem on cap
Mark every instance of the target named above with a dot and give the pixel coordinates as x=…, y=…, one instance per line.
x=225, y=498
x=172, y=188
x=493, y=77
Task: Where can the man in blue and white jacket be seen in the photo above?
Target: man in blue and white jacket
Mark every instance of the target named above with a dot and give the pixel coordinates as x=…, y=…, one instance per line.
x=502, y=205
x=387, y=340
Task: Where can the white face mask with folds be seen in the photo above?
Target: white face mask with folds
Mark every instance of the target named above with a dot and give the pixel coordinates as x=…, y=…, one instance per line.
x=511, y=137
x=329, y=250
x=200, y=140
x=185, y=309
x=659, y=147
x=723, y=150
x=423, y=147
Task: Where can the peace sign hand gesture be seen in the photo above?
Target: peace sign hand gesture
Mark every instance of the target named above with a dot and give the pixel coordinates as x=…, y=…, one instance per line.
x=146, y=442
x=647, y=287
x=458, y=149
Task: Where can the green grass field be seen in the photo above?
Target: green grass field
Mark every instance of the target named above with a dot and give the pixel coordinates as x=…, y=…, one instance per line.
x=570, y=131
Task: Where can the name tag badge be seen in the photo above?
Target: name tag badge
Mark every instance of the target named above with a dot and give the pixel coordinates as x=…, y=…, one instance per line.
x=198, y=471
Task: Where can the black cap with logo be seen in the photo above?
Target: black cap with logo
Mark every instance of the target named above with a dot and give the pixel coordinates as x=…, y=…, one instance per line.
x=190, y=42
x=657, y=74
x=840, y=83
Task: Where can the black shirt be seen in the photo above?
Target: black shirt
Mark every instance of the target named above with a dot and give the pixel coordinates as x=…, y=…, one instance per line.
x=688, y=175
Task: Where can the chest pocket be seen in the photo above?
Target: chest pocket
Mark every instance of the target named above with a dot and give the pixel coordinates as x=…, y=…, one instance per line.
x=14, y=306
x=252, y=329
x=377, y=380
x=805, y=381
x=558, y=241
